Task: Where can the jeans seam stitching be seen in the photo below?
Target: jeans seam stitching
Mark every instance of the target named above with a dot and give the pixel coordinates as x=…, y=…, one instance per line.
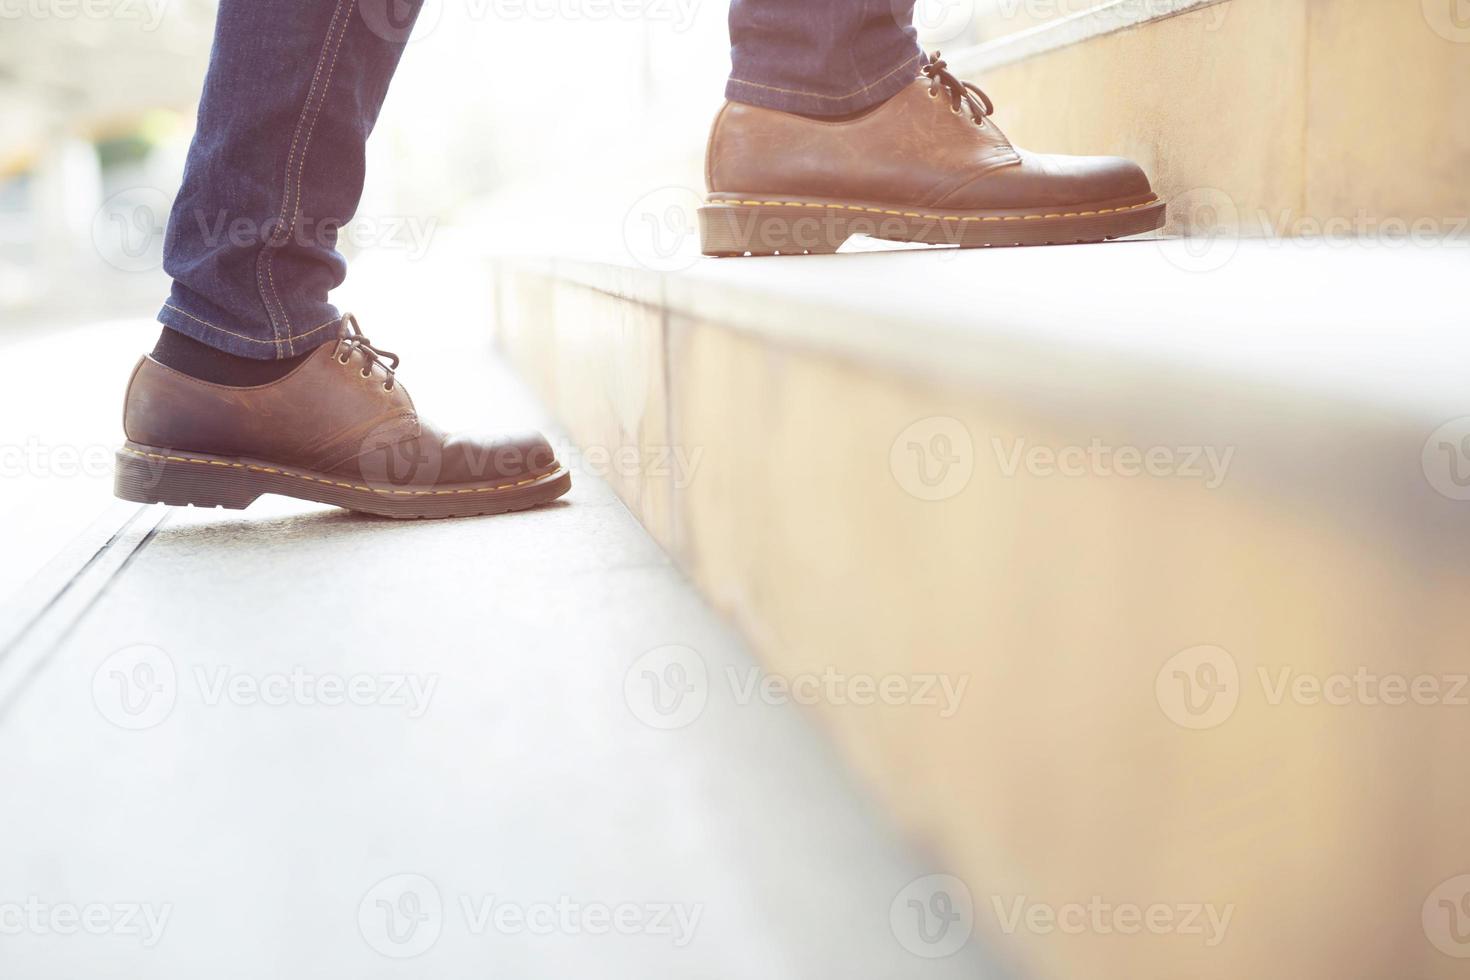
x=818, y=95
x=253, y=340
x=266, y=260
x=306, y=148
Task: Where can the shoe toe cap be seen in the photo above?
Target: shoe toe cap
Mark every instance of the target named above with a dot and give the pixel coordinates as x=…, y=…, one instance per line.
x=471, y=458
x=1120, y=177
x=1043, y=180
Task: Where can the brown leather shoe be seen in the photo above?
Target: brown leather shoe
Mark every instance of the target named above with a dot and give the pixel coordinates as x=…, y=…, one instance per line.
x=339, y=429
x=929, y=165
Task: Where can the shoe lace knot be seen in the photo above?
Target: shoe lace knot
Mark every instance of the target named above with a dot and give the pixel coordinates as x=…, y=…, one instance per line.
x=962, y=95
x=355, y=340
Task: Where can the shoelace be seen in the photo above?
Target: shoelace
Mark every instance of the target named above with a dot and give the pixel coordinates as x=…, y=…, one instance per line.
x=961, y=93
x=354, y=339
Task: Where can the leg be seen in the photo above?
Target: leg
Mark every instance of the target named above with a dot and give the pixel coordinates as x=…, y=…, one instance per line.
x=258, y=384
x=821, y=57
x=276, y=167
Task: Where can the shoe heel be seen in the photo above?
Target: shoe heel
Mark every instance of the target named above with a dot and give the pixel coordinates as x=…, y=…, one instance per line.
x=158, y=478
x=740, y=229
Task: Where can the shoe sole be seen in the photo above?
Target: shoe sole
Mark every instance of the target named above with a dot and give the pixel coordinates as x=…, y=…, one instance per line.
x=150, y=475
x=809, y=226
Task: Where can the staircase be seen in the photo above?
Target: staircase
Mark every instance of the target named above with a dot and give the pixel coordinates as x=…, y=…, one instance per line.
x=1143, y=522
x=1184, y=520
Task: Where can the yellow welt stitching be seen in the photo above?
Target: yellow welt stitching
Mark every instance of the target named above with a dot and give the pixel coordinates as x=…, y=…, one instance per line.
x=349, y=486
x=934, y=217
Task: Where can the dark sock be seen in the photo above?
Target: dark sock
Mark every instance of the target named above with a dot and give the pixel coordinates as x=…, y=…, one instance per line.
x=198, y=360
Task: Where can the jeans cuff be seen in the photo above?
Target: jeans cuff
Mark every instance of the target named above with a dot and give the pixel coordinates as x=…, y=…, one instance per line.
x=822, y=104
x=221, y=333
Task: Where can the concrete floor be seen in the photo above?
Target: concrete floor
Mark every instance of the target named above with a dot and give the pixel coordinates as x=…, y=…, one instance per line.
x=295, y=742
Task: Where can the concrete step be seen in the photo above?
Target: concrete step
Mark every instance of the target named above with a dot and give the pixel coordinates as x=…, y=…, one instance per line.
x=1138, y=503
x=298, y=742
x=1272, y=118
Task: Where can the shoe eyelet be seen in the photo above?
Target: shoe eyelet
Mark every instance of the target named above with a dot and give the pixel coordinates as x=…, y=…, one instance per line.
x=933, y=94
x=344, y=358
x=365, y=373
x=387, y=387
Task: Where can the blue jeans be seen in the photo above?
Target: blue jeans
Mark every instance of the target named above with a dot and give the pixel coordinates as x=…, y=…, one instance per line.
x=821, y=57
x=294, y=88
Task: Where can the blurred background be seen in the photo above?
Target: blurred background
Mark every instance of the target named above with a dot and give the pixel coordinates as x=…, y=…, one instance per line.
x=99, y=110
x=494, y=104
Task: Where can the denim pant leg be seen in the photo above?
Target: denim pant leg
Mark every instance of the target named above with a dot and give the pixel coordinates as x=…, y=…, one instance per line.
x=821, y=57
x=276, y=168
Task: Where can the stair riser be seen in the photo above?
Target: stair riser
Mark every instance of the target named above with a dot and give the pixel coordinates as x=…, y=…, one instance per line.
x=822, y=519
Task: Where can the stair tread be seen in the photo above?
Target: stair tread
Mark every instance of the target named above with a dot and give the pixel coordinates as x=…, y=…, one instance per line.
x=1358, y=321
